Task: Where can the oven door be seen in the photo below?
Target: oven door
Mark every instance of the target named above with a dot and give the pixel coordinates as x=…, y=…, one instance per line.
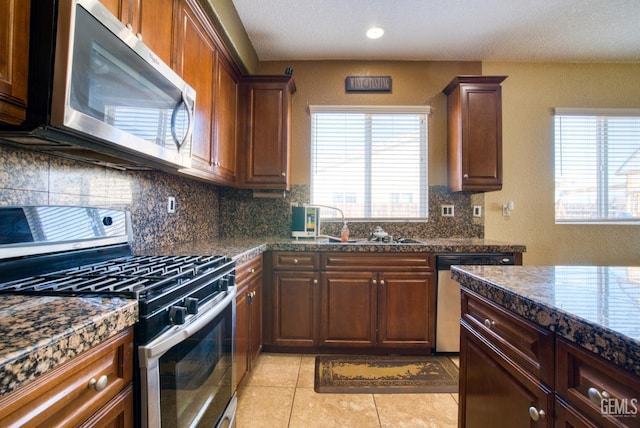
x=186, y=373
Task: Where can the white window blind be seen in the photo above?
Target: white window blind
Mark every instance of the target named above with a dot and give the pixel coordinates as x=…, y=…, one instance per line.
x=371, y=162
x=597, y=165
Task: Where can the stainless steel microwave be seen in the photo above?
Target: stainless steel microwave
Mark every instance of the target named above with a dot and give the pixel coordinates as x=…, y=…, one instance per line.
x=98, y=92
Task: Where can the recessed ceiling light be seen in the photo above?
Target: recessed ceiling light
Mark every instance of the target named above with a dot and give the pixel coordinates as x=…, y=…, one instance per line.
x=375, y=32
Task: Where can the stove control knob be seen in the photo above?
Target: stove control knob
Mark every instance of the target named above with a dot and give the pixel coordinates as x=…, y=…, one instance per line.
x=177, y=315
x=223, y=285
x=192, y=305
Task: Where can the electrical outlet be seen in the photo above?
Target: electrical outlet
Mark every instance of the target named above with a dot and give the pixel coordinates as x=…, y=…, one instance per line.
x=171, y=205
x=447, y=210
x=477, y=210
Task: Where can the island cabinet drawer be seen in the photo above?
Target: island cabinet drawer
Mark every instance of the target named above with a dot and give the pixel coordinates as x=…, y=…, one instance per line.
x=405, y=262
x=606, y=393
x=295, y=260
x=89, y=387
x=522, y=341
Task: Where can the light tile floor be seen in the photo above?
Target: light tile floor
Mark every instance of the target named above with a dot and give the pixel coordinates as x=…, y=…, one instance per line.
x=279, y=394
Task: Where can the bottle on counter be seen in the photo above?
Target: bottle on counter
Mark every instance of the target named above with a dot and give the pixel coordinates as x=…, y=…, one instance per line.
x=344, y=234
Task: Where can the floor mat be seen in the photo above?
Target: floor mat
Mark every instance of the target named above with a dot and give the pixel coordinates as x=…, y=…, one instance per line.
x=385, y=374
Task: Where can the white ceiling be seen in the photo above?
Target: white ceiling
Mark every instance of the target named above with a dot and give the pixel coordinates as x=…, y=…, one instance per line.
x=451, y=30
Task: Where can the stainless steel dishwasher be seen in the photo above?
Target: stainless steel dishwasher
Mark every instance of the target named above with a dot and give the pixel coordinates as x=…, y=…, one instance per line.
x=448, y=294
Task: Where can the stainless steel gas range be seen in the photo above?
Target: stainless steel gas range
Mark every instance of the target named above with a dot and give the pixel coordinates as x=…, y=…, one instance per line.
x=186, y=330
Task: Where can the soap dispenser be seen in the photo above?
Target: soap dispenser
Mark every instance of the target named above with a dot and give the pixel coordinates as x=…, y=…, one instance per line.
x=344, y=234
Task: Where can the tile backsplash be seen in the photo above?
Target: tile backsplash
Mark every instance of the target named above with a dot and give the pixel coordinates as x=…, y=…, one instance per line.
x=30, y=178
x=244, y=215
x=203, y=211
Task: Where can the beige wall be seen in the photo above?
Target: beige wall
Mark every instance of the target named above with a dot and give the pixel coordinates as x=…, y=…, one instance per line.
x=529, y=96
x=530, y=93
x=413, y=83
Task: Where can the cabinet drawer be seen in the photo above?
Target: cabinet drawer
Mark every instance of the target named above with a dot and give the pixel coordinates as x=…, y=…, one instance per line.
x=248, y=271
x=582, y=378
x=295, y=260
x=405, y=262
x=525, y=343
x=64, y=397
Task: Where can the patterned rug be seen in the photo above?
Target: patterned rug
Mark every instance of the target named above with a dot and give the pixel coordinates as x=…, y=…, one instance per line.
x=384, y=374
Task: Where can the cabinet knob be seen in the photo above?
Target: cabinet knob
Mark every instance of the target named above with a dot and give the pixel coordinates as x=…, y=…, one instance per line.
x=295, y=261
x=536, y=414
x=252, y=270
x=129, y=27
x=375, y=282
x=489, y=323
x=99, y=384
x=139, y=36
x=315, y=281
x=596, y=396
x=382, y=282
x=465, y=176
x=284, y=174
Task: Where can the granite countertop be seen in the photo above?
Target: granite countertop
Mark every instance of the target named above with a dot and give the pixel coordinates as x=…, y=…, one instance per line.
x=41, y=332
x=596, y=307
x=242, y=249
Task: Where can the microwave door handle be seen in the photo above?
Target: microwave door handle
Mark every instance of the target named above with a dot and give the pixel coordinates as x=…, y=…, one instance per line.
x=187, y=134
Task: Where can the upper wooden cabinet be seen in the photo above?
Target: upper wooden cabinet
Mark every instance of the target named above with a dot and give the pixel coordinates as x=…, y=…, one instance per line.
x=225, y=147
x=151, y=20
x=14, y=60
x=266, y=131
x=474, y=133
x=203, y=65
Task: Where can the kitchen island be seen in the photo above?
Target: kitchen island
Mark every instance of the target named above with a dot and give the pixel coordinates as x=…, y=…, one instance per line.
x=550, y=344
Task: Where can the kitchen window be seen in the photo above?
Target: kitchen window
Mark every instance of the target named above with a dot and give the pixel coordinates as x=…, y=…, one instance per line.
x=597, y=165
x=370, y=161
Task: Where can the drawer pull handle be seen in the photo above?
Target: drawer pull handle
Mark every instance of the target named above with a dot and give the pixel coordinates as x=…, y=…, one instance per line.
x=489, y=323
x=536, y=414
x=596, y=396
x=99, y=384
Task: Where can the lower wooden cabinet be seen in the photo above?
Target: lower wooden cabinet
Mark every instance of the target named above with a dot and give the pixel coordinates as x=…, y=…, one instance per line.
x=248, y=317
x=94, y=389
x=597, y=390
x=495, y=392
x=516, y=374
x=346, y=300
x=377, y=309
x=295, y=308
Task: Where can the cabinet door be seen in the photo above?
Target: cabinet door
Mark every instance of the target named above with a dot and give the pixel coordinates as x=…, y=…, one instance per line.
x=406, y=310
x=495, y=393
x=267, y=133
x=240, y=358
x=349, y=301
x=14, y=60
x=226, y=123
x=481, y=137
x=295, y=308
x=151, y=20
x=196, y=64
x=255, y=319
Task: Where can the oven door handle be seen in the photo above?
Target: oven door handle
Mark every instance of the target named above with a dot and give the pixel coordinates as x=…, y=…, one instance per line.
x=154, y=350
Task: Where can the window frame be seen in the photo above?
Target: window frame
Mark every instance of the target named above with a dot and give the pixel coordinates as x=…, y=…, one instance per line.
x=602, y=142
x=378, y=109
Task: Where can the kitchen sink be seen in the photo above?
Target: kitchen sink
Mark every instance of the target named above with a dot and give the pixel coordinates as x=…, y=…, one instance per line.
x=365, y=241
